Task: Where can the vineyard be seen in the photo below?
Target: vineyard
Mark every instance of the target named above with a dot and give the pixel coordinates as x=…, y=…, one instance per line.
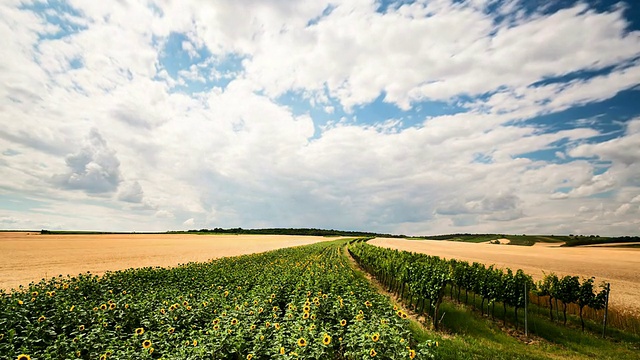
x=422, y=280
x=303, y=302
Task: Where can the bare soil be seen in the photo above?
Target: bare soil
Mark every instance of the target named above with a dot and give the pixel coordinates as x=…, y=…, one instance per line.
x=499, y=242
x=27, y=257
x=619, y=266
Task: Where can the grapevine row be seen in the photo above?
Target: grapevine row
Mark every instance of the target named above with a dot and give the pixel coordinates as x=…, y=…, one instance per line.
x=423, y=279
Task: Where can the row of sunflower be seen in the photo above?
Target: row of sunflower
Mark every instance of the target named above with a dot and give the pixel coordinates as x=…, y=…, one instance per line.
x=296, y=303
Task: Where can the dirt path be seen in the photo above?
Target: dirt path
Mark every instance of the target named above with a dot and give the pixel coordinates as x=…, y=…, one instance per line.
x=619, y=266
x=26, y=257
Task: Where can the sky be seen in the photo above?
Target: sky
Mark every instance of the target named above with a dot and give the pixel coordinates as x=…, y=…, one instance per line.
x=404, y=117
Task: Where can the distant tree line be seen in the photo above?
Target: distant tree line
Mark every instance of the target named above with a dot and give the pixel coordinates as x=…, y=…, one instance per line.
x=289, y=231
x=591, y=240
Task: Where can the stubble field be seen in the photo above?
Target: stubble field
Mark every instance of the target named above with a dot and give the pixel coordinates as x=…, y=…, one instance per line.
x=619, y=266
x=26, y=257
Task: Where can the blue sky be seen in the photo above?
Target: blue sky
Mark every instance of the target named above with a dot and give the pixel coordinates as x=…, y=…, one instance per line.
x=413, y=117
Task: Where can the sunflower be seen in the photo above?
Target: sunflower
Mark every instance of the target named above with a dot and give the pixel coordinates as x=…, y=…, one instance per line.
x=20, y=302
x=72, y=307
x=267, y=324
x=260, y=310
x=373, y=353
x=112, y=306
x=326, y=339
x=412, y=353
x=24, y=357
x=103, y=307
x=126, y=306
x=273, y=296
x=103, y=357
x=399, y=313
x=216, y=321
x=375, y=337
x=234, y=321
x=305, y=315
x=343, y=322
x=108, y=352
x=171, y=331
x=146, y=344
x=195, y=342
x=139, y=331
x=261, y=337
x=151, y=351
x=163, y=311
x=42, y=318
x=302, y=342
x=404, y=315
x=275, y=308
x=306, y=308
x=250, y=356
x=81, y=327
x=34, y=294
x=277, y=326
x=185, y=303
x=368, y=303
x=188, y=308
x=216, y=327
x=313, y=316
x=282, y=351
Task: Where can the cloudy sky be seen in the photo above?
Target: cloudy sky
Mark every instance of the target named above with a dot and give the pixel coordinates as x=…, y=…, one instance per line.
x=420, y=117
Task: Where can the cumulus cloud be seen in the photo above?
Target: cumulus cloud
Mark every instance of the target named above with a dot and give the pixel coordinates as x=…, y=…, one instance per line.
x=131, y=192
x=94, y=169
x=204, y=134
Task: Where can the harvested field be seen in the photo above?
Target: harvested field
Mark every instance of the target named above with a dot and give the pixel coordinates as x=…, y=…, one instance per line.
x=26, y=257
x=619, y=266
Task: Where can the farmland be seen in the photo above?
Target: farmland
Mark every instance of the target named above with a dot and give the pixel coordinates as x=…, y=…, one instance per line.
x=297, y=302
x=26, y=257
x=616, y=265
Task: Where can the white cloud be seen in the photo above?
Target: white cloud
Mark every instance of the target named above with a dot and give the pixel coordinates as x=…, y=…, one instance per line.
x=234, y=156
x=94, y=168
x=131, y=192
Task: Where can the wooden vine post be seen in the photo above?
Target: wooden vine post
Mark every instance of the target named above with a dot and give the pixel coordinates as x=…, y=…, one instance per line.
x=526, y=300
x=606, y=310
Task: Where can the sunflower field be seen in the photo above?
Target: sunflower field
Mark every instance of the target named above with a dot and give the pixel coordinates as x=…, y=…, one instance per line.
x=295, y=303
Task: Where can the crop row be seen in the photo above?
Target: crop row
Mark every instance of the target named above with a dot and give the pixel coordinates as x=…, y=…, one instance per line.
x=423, y=279
x=304, y=302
